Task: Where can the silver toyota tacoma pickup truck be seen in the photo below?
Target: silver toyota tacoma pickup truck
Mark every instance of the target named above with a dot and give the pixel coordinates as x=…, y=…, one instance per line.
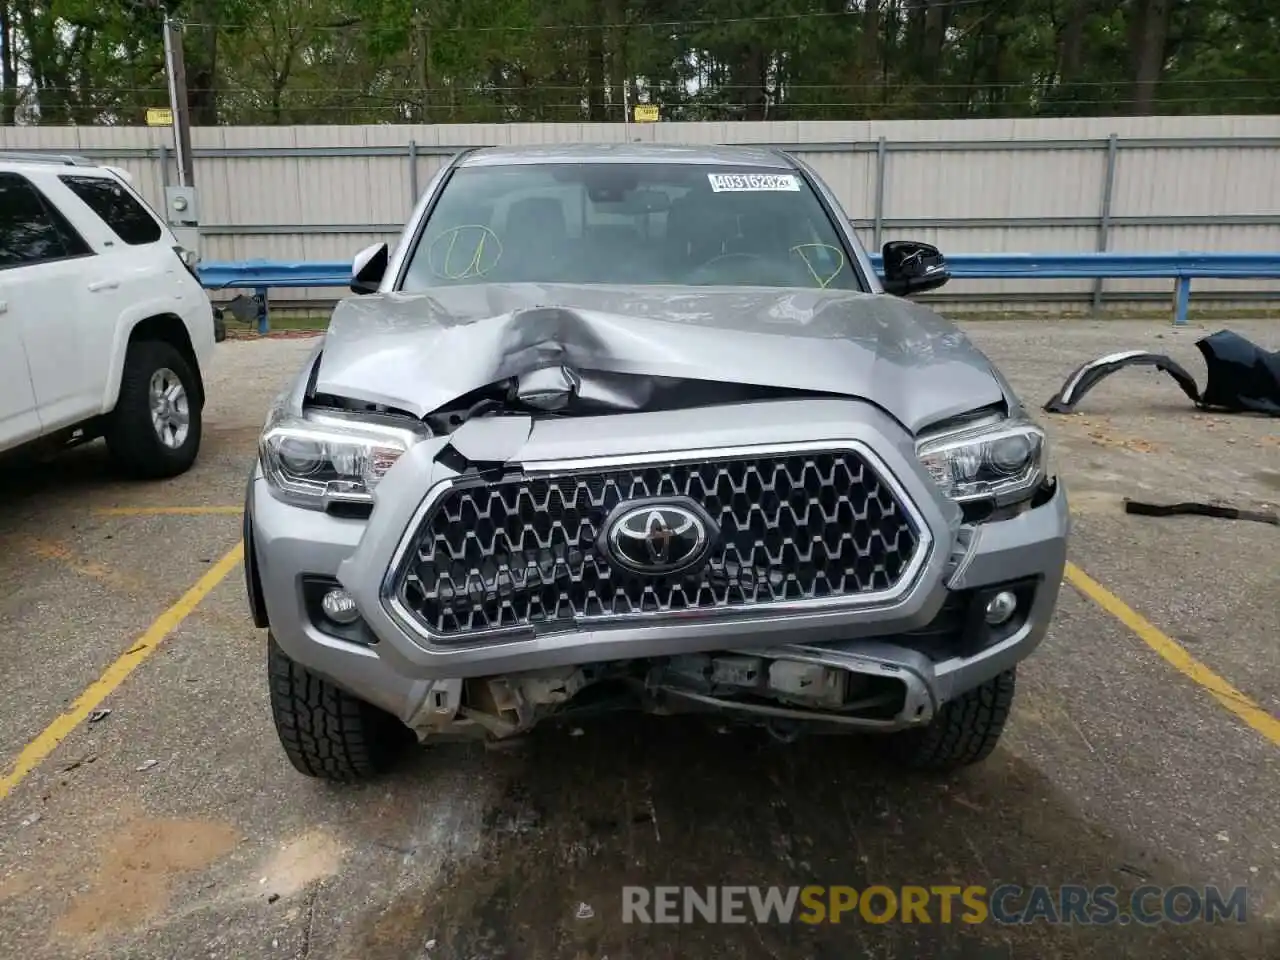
x=640, y=427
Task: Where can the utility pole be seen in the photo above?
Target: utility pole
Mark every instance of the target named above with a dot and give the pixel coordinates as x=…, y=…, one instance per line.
x=176, y=69
x=182, y=205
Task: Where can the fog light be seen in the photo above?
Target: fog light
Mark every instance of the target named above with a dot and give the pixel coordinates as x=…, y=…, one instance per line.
x=339, y=607
x=999, y=608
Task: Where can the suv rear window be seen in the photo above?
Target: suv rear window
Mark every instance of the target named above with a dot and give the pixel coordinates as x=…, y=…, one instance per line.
x=113, y=203
x=31, y=228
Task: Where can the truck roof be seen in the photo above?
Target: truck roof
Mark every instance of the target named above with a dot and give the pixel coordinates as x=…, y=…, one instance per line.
x=724, y=155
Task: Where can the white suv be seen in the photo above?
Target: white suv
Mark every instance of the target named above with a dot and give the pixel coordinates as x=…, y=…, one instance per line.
x=104, y=325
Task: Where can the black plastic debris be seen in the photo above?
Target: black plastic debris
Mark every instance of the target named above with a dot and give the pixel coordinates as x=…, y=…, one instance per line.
x=1241, y=376
x=1217, y=510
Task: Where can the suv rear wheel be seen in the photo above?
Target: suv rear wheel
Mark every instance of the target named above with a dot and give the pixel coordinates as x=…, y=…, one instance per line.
x=154, y=430
x=325, y=731
x=963, y=732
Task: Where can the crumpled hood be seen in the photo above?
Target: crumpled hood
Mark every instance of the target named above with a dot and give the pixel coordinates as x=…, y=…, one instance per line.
x=418, y=352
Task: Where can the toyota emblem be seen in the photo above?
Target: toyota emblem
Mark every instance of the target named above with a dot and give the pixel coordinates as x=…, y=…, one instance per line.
x=659, y=536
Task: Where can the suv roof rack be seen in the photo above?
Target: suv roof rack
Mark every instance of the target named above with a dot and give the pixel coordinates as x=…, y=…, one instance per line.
x=66, y=159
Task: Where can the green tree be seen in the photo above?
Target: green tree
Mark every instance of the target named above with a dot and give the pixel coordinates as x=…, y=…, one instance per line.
x=362, y=61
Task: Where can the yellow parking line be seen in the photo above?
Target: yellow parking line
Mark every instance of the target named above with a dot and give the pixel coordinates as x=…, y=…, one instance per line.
x=1222, y=691
x=49, y=738
x=165, y=511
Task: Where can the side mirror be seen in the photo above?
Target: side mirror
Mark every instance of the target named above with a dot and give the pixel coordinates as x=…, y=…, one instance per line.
x=913, y=267
x=368, y=268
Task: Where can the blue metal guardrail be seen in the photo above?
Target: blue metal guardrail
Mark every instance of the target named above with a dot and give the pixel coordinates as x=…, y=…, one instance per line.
x=1182, y=268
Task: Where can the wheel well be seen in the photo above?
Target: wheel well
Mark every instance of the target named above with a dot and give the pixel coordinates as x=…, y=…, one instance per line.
x=170, y=329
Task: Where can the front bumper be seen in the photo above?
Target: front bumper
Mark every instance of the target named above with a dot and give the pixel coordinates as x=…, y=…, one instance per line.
x=401, y=670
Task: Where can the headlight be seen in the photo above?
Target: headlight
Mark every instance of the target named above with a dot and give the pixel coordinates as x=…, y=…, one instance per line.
x=1001, y=462
x=328, y=458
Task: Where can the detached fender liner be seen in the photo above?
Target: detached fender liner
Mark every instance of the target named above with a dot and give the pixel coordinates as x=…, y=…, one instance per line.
x=1087, y=375
x=1241, y=376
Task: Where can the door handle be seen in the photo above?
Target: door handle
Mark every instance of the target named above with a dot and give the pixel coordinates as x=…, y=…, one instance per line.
x=103, y=285
x=4, y=306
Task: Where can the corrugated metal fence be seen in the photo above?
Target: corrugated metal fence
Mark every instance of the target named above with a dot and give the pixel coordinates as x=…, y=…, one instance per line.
x=1150, y=184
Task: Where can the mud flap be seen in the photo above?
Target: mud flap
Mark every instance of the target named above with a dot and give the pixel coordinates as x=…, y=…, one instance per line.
x=252, y=581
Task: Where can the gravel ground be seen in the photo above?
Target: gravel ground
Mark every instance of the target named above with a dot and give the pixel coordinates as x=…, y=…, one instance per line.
x=174, y=827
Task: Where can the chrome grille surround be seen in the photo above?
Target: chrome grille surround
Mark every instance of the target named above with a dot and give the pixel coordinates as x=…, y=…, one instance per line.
x=562, y=557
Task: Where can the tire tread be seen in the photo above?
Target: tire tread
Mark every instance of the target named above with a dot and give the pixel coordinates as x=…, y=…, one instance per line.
x=966, y=730
x=325, y=731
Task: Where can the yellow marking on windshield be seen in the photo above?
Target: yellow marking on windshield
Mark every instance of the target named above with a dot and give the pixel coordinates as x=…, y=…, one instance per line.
x=476, y=266
x=448, y=254
x=799, y=250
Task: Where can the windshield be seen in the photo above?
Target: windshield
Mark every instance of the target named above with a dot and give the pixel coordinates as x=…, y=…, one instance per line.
x=629, y=223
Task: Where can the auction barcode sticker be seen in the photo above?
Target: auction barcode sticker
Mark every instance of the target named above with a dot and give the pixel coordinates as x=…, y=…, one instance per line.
x=750, y=182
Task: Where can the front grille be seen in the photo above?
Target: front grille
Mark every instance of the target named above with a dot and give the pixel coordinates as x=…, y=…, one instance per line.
x=521, y=552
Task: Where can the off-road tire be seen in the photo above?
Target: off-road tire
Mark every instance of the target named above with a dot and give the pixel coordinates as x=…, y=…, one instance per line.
x=963, y=732
x=325, y=731
x=131, y=439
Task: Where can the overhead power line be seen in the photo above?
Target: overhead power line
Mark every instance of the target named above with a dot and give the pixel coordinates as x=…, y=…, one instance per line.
x=469, y=86
x=391, y=105
x=623, y=25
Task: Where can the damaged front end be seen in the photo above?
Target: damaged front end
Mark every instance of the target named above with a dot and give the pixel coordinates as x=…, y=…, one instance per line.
x=545, y=512
x=480, y=365
x=453, y=354
x=874, y=684
x=783, y=692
